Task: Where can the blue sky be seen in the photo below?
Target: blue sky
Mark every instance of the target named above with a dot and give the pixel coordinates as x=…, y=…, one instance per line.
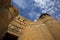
x=32, y=9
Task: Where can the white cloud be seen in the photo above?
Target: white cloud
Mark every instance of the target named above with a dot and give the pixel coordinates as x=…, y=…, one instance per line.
x=31, y=14
x=52, y=12
x=56, y=9
x=34, y=15
x=44, y=4
x=59, y=15
x=58, y=6
x=20, y=3
x=44, y=11
x=40, y=3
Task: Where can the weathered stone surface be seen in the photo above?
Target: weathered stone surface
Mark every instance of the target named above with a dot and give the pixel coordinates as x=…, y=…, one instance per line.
x=53, y=26
x=5, y=3
x=45, y=28
x=36, y=32
x=5, y=19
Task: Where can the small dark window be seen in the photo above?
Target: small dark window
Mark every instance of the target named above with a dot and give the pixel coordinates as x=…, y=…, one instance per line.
x=9, y=36
x=18, y=18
